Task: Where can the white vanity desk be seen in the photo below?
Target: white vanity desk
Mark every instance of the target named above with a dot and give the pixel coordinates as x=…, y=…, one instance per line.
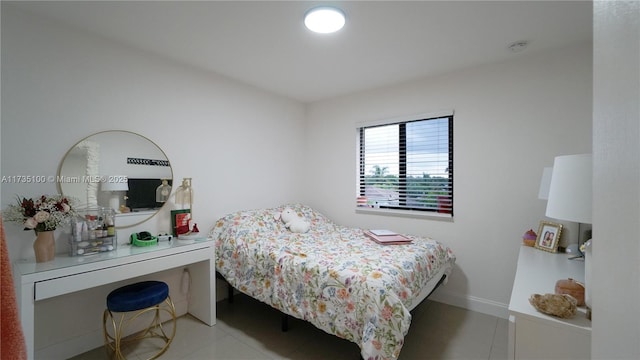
x=66, y=274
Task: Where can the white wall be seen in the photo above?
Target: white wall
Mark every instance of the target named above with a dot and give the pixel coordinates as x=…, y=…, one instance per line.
x=616, y=181
x=60, y=85
x=510, y=120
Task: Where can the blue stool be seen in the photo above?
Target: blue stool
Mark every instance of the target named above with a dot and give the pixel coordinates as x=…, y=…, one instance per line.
x=133, y=301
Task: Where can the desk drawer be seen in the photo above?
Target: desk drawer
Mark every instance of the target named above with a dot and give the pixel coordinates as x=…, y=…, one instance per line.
x=101, y=276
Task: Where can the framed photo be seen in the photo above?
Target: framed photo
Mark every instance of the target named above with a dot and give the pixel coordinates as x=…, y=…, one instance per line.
x=180, y=220
x=548, y=236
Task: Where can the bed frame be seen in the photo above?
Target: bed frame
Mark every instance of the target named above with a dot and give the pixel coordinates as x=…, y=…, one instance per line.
x=281, y=257
x=284, y=325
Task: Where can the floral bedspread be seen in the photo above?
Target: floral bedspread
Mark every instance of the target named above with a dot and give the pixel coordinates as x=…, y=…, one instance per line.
x=332, y=276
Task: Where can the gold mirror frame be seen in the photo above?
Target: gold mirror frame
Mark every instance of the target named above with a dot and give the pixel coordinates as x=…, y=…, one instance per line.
x=80, y=171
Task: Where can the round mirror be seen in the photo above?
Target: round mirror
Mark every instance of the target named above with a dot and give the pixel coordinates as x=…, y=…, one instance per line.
x=120, y=170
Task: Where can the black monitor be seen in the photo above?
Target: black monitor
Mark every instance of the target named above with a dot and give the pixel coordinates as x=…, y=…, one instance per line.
x=142, y=194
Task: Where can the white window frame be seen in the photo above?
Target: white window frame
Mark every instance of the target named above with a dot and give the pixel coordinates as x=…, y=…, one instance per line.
x=398, y=211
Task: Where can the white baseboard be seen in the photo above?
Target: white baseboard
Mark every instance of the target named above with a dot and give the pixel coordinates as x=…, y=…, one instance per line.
x=472, y=303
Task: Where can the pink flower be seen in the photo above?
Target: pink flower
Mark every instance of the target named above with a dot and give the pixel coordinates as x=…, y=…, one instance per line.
x=376, y=344
x=41, y=216
x=30, y=223
x=45, y=213
x=387, y=312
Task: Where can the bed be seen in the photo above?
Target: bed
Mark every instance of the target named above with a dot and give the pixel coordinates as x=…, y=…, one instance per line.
x=332, y=276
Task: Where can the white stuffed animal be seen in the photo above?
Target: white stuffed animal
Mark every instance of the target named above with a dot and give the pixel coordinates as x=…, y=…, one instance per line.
x=292, y=221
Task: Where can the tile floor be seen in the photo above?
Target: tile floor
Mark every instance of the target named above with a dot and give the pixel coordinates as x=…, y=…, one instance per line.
x=248, y=329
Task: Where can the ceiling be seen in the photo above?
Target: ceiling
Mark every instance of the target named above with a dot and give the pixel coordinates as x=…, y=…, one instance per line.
x=265, y=44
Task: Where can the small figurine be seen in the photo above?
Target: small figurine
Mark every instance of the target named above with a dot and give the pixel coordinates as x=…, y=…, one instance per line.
x=195, y=228
x=529, y=238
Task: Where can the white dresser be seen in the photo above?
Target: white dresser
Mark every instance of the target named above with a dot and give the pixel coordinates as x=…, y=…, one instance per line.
x=532, y=334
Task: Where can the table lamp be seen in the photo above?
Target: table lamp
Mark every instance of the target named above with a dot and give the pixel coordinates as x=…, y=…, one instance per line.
x=114, y=187
x=570, y=189
x=570, y=195
x=184, y=195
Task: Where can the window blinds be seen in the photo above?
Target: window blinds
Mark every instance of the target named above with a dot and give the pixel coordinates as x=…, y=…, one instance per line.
x=407, y=165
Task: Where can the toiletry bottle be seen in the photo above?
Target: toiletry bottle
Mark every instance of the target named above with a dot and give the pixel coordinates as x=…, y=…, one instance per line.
x=84, y=235
x=111, y=229
x=92, y=227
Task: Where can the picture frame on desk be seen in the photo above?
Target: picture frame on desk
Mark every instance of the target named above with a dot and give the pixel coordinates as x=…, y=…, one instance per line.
x=548, y=236
x=180, y=220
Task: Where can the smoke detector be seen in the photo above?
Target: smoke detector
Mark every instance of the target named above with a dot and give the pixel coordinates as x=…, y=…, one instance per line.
x=518, y=46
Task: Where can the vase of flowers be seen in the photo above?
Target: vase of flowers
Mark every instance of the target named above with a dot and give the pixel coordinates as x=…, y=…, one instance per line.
x=43, y=215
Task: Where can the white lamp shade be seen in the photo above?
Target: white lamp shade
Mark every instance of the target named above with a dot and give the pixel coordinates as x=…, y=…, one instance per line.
x=570, y=191
x=545, y=183
x=115, y=185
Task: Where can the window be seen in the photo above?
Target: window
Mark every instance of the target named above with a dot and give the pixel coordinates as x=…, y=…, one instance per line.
x=407, y=165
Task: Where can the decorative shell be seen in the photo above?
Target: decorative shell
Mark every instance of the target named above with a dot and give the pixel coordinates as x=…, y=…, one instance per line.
x=560, y=305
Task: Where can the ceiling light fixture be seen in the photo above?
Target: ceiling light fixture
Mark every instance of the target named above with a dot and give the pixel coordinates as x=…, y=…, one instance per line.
x=324, y=19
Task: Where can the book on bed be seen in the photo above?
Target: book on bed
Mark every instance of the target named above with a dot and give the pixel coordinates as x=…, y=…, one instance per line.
x=382, y=232
x=387, y=237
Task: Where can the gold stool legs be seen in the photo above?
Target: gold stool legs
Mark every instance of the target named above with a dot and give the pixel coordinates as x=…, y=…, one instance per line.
x=155, y=329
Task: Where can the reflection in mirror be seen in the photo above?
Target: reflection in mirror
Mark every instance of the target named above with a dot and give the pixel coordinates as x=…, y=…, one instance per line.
x=117, y=169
